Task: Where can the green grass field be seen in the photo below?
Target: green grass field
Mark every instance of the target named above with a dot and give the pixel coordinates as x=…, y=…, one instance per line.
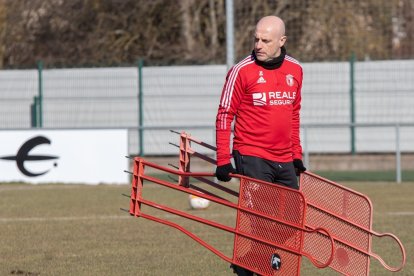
x=80, y=230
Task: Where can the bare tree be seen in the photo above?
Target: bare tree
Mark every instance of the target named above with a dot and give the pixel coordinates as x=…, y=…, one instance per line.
x=114, y=32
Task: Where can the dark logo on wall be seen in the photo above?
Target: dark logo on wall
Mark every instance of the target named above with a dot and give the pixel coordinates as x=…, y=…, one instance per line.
x=23, y=156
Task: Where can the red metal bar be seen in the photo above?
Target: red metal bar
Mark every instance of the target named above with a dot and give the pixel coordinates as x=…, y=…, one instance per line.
x=215, y=185
x=137, y=200
x=363, y=223
x=404, y=256
x=135, y=206
x=184, y=165
x=188, y=233
x=342, y=217
x=201, y=143
x=235, y=231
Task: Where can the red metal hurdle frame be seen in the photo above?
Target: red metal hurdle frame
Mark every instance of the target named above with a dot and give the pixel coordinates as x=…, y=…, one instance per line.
x=264, y=233
x=345, y=213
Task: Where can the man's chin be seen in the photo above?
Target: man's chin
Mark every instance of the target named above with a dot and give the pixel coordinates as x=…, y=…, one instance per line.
x=261, y=58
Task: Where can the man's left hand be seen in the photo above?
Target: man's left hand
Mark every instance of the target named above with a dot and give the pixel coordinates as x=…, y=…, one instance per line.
x=299, y=168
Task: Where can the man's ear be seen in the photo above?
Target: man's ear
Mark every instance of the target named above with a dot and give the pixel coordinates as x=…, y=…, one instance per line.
x=282, y=40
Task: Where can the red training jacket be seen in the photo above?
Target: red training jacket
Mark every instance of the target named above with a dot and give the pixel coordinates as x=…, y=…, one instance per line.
x=266, y=105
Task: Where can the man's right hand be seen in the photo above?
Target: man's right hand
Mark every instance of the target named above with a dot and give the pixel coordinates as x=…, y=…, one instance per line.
x=223, y=172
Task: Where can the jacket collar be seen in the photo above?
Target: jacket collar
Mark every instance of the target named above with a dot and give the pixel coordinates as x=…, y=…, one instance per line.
x=273, y=63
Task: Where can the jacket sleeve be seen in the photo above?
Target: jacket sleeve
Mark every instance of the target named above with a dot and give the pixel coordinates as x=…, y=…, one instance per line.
x=230, y=100
x=296, y=147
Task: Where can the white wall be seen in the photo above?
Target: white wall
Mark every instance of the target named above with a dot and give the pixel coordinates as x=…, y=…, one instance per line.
x=177, y=96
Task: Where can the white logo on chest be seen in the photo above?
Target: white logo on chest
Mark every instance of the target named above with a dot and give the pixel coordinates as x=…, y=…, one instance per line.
x=289, y=80
x=261, y=79
x=259, y=98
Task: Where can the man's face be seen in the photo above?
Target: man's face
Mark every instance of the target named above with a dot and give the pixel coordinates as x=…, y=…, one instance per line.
x=267, y=43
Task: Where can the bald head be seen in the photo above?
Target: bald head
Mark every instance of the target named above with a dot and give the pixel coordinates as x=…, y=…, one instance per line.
x=272, y=24
x=269, y=37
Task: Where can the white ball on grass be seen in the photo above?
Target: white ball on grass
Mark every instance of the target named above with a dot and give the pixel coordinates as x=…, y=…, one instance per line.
x=198, y=202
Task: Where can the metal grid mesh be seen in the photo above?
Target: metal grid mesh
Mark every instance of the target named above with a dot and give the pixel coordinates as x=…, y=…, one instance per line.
x=347, y=259
x=350, y=222
x=338, y=200
x=272, y=200
x=257, y=255
x=284, y=206
x=270, y=230
x=317, y=245
x=338, y=228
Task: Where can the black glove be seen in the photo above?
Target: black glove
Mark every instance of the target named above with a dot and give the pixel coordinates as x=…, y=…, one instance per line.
x=299, y=168
x=222, y=172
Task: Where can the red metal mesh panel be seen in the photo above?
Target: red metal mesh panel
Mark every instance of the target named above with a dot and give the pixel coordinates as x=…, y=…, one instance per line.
x=346, y=259
x=346, y=215
x=257, y=256
x=270, y=230
x=349, y=261
x=339, y=228
x=318, y=246
x=284, y=206
x=348, y=205
x=273, y=200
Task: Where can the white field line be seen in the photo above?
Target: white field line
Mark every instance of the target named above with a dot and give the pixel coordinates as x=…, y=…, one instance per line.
x=34, y=219
x=74, y=218
x=164, y=216
x=54, y=187
x=4, y=188
x=404, y=213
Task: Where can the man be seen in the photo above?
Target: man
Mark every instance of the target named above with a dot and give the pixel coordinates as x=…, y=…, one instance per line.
x=263, y=93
